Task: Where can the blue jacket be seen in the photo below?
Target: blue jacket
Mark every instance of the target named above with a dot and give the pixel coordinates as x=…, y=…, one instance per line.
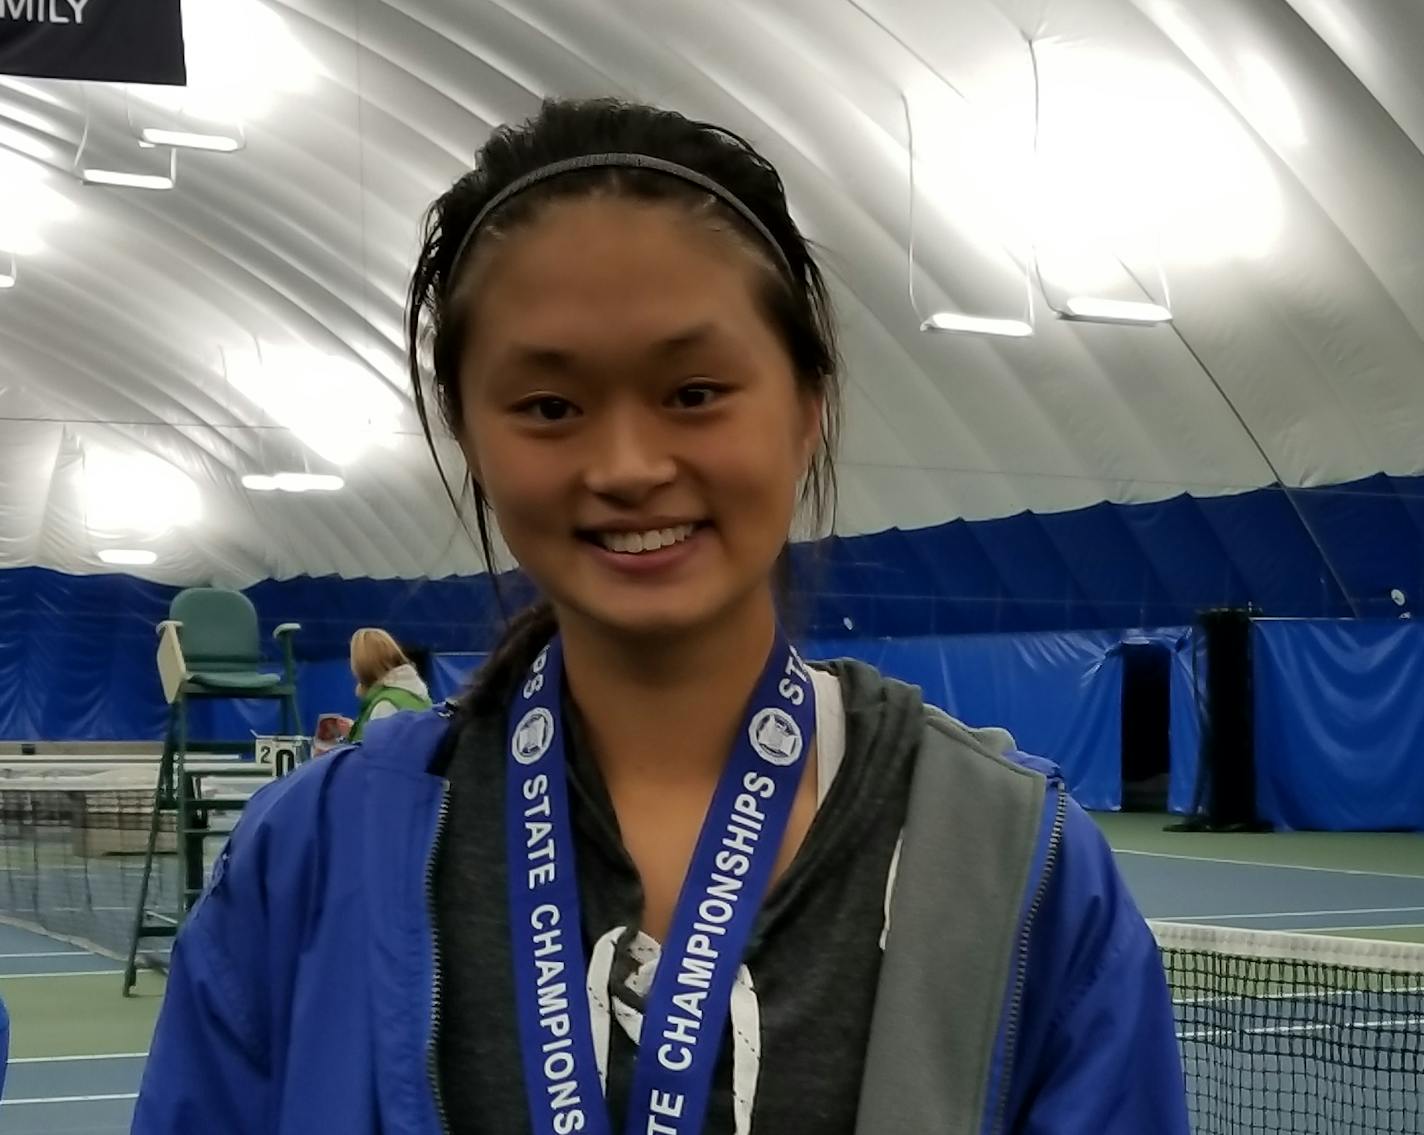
x=4, y=1044
x=300, y=997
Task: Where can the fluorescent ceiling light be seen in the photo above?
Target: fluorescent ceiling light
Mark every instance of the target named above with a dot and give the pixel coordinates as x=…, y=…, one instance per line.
x=293, y=483
x=189, y=140
x=129, y=557
x=128, y=179
x=953, y=321
x=103, y=160
x=1094, y=309
x=308, y=482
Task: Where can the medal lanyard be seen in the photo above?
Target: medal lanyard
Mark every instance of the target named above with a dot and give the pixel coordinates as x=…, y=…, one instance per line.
x=727, y=879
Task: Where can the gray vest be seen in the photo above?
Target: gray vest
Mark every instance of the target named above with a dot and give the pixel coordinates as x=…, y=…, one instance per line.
x=952, y=951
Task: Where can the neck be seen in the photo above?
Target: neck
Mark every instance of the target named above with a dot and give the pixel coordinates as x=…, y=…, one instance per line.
x=667, y=708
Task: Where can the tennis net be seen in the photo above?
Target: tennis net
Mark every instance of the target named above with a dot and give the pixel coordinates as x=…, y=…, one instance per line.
x=1297, y=1032
x=72, y=847
x=1278, y=1032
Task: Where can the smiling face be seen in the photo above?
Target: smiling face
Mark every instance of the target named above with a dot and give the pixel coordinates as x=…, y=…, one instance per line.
x=631, y=415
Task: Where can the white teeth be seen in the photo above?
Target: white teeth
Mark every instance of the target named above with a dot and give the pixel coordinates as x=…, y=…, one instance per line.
x=631, y=543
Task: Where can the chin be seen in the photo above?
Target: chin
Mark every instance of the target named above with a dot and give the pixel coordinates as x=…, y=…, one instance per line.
x=649, y=620
x=652, y=615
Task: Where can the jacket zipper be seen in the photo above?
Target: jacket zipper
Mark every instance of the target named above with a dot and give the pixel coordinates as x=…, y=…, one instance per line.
x=432, y=1065
x=1021, y=975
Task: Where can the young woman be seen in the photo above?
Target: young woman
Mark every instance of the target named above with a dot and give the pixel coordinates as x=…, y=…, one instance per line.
x=386, y=680
x=653, y=873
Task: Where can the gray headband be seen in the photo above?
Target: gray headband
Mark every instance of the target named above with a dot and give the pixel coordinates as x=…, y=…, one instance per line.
x=619, y=161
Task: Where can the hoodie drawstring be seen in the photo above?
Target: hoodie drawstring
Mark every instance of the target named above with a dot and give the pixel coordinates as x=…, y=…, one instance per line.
x=645, y=953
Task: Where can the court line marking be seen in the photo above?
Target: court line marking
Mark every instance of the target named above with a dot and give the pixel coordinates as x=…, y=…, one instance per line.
x=62, y=973
x=1277, y=866
x=90, y=909
x=44, y=868
x=49, y=954
x=86, y=1056
x=1307, y=1027
x=1295, y=995
x=68, y=1099
x=1212, y=918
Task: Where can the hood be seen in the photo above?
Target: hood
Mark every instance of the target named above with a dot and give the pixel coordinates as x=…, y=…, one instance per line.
x=882, y=715
x=404, y=677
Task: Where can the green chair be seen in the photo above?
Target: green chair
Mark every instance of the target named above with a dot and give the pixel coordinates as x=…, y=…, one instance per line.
x=209, y=648
x=217, y=633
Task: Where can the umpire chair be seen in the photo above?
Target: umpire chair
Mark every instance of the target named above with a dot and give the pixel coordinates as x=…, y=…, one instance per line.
x=209, y=648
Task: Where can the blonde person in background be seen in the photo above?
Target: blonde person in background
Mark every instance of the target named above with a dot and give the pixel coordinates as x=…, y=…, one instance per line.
x=386, y=681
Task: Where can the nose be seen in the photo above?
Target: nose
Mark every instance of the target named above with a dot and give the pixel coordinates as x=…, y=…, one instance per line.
x=630, y=456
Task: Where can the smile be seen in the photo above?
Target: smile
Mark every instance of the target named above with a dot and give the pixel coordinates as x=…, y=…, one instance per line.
x=637, y=543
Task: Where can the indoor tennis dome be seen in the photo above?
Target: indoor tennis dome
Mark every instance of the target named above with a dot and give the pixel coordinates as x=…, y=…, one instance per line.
x=1130, y=289
x=1131, y=307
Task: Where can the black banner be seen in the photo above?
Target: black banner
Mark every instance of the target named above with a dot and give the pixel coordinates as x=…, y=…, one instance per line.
x=107, y=41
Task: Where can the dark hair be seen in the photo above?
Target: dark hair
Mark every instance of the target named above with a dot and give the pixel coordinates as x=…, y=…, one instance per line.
x=793, y=296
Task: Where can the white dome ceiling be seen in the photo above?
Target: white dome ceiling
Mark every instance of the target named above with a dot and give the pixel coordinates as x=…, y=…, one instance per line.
x=156, y=347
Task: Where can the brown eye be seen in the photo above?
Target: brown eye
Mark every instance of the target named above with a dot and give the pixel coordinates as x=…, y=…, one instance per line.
x=697, y=395
x=547, y=408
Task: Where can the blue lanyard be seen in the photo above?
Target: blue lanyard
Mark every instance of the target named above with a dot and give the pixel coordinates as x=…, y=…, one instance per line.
x=731, y=867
